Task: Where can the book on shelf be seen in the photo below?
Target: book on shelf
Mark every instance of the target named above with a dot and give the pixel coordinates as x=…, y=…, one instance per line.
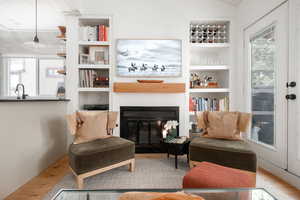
x=94, y=33
x=86, y=78
x=208, y=104
x=89, y=78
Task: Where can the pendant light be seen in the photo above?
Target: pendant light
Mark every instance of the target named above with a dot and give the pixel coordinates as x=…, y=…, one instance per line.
x=35, y=43
x=36, y=39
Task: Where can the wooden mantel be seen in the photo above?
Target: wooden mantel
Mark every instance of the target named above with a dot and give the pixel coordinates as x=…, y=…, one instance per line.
x=149, y=87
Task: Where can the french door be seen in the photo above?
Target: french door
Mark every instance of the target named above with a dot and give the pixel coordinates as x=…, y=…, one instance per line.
x=266, y=60
x=294, y=89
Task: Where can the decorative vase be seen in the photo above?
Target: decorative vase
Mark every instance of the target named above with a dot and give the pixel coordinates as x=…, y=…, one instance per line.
x=172, y=133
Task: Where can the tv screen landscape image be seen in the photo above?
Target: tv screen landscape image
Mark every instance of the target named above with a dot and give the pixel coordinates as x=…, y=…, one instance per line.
x=149, y=58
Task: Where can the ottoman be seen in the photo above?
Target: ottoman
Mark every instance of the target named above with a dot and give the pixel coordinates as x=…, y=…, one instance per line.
x=209, y=175
x=235, y=154
x=91, y=158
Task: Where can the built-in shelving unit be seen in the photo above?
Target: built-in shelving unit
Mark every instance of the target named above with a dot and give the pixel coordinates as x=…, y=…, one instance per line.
x=94, y=43
x=93, y=89
x=209, y=56
x=95, y=66
x=100, y=70
x=209, y=45
x=208, y=67
x=90, y=63
x=209, y=90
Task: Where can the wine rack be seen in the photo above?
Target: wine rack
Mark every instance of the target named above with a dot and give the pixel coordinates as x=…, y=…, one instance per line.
x=209, y=32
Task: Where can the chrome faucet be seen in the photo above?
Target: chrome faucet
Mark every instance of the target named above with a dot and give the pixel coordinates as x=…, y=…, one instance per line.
x=17, y=91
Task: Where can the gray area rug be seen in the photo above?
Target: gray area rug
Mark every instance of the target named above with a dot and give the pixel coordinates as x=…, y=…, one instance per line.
x=149, y=173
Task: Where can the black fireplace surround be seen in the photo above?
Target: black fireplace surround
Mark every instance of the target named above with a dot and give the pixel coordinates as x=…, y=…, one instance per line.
x=144, y=125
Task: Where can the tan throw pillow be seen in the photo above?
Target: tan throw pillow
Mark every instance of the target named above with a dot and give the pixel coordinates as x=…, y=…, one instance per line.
x=112, y=121
x=244, y=121
x=93, y=126
x=223, y=125
x=72, y=123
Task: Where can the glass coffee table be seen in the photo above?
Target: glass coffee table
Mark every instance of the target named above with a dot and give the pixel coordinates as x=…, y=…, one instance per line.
x=207, y=194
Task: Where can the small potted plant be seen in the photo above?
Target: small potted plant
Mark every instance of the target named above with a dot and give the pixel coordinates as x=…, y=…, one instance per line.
x=170, y=130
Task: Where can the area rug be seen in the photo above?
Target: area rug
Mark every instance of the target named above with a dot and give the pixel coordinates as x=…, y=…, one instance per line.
x=149, y=173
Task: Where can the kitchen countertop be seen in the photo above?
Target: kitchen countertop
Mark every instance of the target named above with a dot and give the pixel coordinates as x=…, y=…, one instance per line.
x=31, y=99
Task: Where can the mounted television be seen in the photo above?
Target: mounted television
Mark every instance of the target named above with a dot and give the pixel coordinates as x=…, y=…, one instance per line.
x=149, y=58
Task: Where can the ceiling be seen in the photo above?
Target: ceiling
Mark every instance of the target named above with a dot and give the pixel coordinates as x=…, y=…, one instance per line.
x=20, y=14
x=233, y=2
x=14, y=42
x=17, y=20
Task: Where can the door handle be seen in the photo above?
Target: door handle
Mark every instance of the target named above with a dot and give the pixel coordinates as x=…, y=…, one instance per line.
x=291, y=97
x=291, y=84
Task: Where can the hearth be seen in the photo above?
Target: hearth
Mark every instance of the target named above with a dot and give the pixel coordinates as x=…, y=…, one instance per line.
x=143, y=125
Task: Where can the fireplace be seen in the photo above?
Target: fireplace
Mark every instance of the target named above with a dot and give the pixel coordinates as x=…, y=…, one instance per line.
x=144, y=125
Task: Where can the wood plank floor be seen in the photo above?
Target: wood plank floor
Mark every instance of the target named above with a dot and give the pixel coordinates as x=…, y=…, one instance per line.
x=37, y=187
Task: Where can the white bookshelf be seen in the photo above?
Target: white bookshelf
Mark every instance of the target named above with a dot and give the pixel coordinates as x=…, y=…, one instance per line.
x=94, y=43
x=76, y=46
x=212, y=59
x=93, y=89
x=209, y=45
x=93, y=66
x=209, y=90
x=208, y=67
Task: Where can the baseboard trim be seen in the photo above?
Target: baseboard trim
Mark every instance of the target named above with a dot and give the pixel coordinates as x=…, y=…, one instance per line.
x=279, y=172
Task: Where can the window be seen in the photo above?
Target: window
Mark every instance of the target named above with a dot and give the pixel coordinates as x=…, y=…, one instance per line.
x=263, y=51
x=39, y=75
x=22, y=70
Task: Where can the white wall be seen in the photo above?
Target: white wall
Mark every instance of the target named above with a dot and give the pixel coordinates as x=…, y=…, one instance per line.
x=32, y=136
x=157, y=19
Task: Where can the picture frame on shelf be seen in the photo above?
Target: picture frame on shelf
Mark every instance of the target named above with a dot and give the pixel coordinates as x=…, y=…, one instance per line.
x=98, y=55
x=84, y=58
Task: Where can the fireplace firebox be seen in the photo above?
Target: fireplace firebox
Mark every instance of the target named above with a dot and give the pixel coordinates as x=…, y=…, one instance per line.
x=144, y=125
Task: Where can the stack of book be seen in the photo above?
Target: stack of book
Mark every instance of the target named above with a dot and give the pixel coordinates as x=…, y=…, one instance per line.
x=208, y=104
x=94, y=33
x=224, y=104
x=86, y=78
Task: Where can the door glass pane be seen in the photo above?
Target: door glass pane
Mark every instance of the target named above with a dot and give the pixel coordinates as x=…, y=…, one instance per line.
x=263, y=85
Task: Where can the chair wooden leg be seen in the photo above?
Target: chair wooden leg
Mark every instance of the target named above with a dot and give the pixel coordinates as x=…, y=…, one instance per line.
x=79, y=182
x=132, y=165
x=80, y=178
x=192, y=164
